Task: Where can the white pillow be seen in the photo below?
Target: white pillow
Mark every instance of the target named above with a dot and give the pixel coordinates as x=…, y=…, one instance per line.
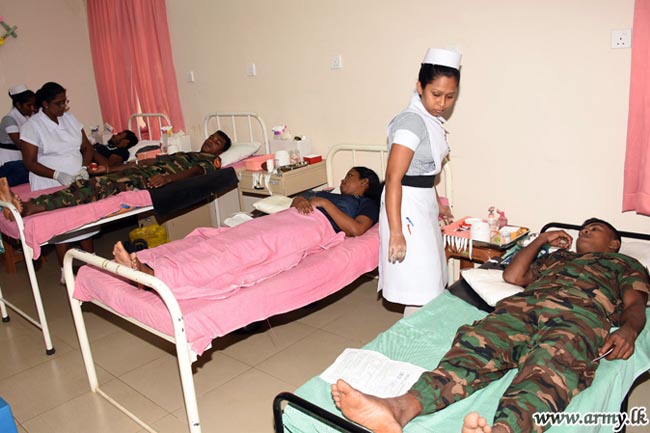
x=273, y=204
x=140, y=145
x=638, y=250
x=237, y=152
x=489, y=284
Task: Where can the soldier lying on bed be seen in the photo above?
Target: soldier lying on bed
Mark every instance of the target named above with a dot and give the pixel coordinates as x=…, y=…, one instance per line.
x=552, y=332
x=110, y=181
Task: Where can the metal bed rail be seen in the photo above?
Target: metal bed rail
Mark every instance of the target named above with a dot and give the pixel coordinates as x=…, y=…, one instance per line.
x=253, y=121
x=147, y=118
x=28, y=252
x=311, y=409
x=184, y=354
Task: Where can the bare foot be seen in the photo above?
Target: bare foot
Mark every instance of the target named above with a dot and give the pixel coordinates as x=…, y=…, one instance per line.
x=369, y=411
x=8, y=196
x=474, y=423
x=122, y=256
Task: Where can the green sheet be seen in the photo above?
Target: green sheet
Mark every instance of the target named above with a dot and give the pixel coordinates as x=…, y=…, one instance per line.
x=425, y=337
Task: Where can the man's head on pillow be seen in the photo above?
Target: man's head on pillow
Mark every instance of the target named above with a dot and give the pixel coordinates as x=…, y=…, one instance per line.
x=598, y=236
x=216, y=144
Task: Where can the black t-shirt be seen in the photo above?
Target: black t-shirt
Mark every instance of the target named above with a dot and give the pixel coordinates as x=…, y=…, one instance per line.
x=350, y=205
x=106, y=150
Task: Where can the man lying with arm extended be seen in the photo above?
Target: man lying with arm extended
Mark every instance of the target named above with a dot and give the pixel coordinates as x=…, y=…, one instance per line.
x=551, y=333
x=152, y=173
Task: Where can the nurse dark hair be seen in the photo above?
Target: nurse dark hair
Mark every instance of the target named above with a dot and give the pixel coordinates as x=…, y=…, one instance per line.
x=429, y=72
x=21, y=97
x=47, y=93
x=375, y=187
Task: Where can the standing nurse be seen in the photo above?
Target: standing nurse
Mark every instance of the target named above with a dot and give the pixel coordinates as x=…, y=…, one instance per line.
x=412, y=266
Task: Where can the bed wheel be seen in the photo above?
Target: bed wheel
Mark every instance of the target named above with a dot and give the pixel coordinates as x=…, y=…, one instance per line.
x=50, y=351
x=6, y=319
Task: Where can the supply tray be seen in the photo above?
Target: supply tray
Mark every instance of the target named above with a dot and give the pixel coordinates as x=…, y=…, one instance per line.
x=503, y=247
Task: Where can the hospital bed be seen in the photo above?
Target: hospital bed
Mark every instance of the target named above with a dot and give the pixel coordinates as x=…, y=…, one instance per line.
x=192, y=324
x=59, y=225
x=423, y=338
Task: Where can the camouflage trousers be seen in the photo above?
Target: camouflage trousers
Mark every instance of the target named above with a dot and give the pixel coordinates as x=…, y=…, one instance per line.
x=97, y=188
x=549, y=339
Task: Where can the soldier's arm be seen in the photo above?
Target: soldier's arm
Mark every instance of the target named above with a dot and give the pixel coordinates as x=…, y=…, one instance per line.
x=518, y=271
x=632, y=322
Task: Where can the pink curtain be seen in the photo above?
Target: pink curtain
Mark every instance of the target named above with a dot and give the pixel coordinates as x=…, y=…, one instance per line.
x=132, y=57
x=636, y=188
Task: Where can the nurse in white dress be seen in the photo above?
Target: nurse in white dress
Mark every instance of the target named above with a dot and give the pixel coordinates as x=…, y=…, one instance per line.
x=412, y=265
x=22, y=100
x=55, y=149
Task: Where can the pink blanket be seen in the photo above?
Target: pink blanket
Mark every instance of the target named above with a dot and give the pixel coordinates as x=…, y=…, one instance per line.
x=316, y=277
x=42, y=227
x=213, y=263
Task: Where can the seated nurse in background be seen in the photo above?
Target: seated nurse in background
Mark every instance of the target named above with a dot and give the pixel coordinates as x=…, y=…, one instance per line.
x=11, y=159
x=55, y=148
x=355, y=209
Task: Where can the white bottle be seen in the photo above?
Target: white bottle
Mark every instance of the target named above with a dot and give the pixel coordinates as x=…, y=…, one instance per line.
x=493, y=222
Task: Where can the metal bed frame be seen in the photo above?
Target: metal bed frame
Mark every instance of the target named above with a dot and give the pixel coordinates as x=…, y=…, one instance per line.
x=186, y=356
x=254, y=125
x=146, y=118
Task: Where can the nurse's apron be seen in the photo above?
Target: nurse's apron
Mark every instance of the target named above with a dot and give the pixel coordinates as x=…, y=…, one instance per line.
x=422, y=275
x=62, y=154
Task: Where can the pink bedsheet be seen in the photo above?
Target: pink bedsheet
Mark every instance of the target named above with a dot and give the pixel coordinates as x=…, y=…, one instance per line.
x=42, y=227
x=213, y=263
x=316, y=277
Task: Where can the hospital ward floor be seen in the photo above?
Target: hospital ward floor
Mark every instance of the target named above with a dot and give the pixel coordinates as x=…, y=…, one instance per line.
x=235, y=381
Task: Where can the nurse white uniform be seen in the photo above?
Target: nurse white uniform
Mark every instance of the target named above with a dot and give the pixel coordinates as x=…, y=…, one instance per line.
x=10, y=124
x=59, y=146
x=423, y=274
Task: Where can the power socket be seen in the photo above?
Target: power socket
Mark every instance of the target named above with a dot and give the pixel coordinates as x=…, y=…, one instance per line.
x=622, y=38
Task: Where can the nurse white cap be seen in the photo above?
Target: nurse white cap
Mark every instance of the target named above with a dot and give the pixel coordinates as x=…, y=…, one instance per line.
x=437, y=56
x=17, y=89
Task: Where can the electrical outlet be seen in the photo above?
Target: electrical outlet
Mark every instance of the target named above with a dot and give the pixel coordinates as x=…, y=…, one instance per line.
x=622, y=38
x=336, y=62
x=251, y=70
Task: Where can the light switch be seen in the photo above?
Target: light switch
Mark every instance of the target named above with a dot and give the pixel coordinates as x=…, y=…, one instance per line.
x=190, y=77
x=251, y=70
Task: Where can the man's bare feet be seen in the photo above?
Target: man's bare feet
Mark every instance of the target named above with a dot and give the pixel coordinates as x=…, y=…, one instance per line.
x=474, y=423
x=371, y=412
x=8, y=196
x=122, y=256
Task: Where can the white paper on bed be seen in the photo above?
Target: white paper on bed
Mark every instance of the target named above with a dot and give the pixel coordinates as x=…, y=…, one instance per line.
x=489, y=284
x=373, y=373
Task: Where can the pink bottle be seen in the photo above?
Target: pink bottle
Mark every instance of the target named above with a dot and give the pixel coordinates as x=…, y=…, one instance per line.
x=503, y=221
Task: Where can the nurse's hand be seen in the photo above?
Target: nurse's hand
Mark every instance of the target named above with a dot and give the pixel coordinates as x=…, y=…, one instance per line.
x=63, y=178
x=396, y=247
x=445, y=214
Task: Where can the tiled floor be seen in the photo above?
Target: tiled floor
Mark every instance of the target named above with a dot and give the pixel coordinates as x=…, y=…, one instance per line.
x=235, y=382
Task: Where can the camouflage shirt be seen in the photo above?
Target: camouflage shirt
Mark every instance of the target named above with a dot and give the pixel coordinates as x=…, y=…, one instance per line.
x=180, y=161
x=603, y=277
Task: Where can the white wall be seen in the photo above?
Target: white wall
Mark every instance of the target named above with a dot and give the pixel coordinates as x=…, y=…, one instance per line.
x=539, y=128
x=52, y=45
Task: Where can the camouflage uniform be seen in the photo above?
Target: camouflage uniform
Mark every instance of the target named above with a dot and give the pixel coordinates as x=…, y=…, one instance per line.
x=99, y=187
x=550, y=332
